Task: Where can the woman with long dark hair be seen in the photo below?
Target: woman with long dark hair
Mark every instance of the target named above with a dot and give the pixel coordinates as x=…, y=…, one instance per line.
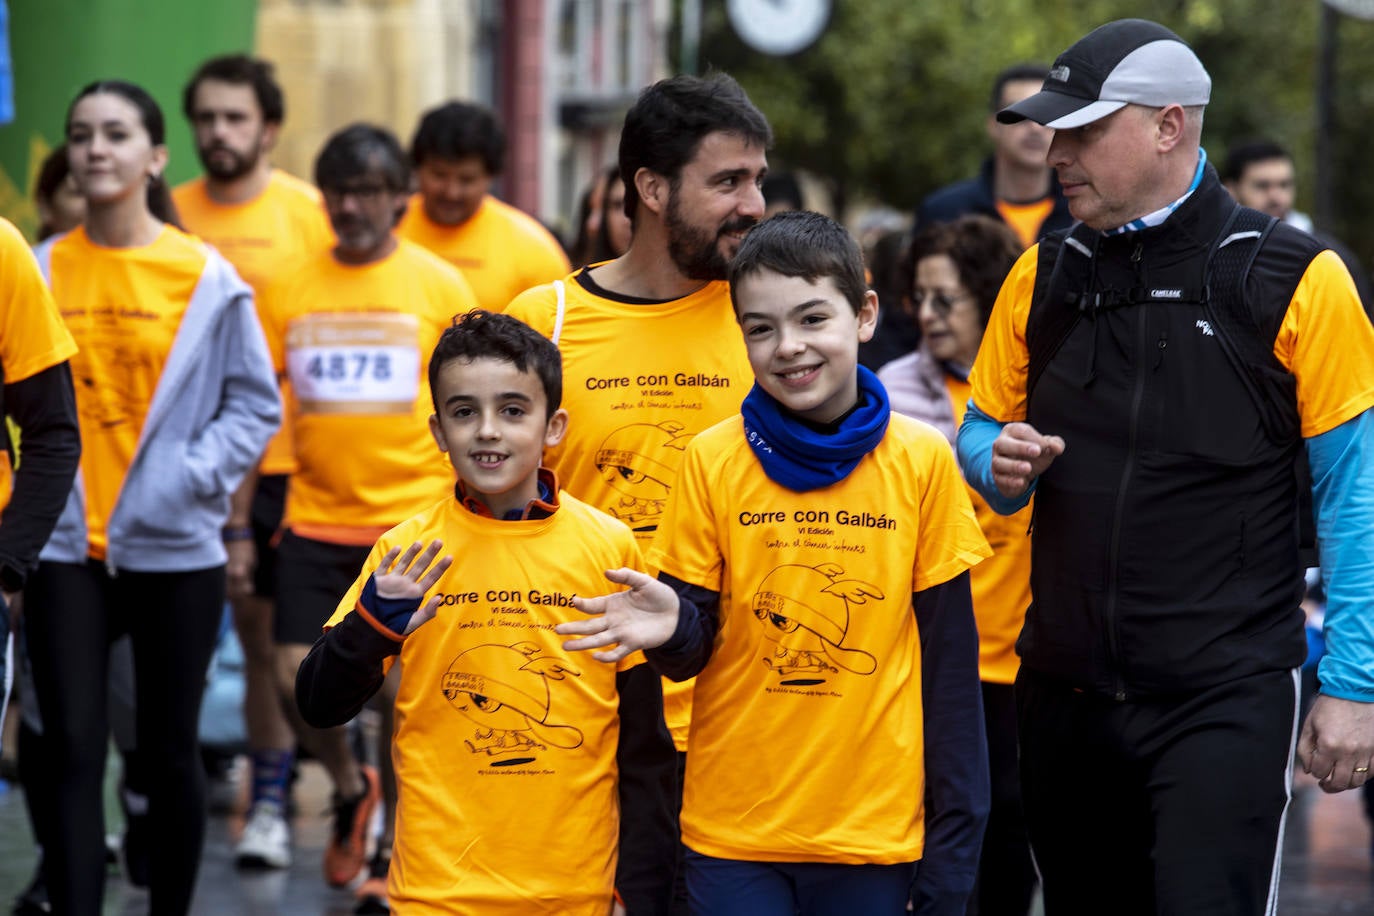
x=176, y=398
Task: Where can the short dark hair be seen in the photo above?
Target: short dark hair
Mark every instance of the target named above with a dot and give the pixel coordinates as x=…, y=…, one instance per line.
x=666, y=124
x=782, y=186
x=800, y=243
x=1243, y=155
x=457, y=130
x=241, y=70
x=1014, y=74
x=358, y=149
x=480, y=334
x=983, y=251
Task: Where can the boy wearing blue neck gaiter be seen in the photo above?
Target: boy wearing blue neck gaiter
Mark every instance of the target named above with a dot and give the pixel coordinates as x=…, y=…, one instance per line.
x=813, y=563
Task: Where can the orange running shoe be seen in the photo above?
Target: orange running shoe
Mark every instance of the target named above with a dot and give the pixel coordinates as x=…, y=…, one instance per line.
x=346, y=853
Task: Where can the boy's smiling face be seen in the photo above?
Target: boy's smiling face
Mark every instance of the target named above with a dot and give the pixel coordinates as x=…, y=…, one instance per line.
x=493, y=424
x=803, y=341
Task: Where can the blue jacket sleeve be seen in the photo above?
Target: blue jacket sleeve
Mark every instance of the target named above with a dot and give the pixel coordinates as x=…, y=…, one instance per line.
x=1342, y=462
x=976, y=435
x=956, y=750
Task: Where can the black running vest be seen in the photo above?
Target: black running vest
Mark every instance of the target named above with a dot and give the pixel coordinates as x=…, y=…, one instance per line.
x=1166, y=544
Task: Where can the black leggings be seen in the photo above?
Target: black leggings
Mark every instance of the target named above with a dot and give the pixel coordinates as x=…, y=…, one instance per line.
x=72, y=613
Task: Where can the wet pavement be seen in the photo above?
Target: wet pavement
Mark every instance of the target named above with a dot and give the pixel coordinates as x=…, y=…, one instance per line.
x=1326, y=866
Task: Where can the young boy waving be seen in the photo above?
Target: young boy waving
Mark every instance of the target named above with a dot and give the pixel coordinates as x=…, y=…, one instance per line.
x=813, y=574
x=529, y=782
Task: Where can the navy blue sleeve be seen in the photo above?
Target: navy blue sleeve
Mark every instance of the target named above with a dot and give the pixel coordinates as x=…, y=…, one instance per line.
x=689, y=648
x=646, y=762
x=956, y=752
x=43, y=406
x=342, y=672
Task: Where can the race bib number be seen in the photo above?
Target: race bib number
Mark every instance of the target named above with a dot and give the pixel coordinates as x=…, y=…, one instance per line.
x=358, y=364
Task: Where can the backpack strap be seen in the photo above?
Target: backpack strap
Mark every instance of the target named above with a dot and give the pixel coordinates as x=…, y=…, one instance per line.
x=1058, y=300
x=1248, y=344
x=562, y=310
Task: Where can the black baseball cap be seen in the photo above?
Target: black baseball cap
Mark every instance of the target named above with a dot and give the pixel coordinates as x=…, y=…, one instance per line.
x=1129, y=61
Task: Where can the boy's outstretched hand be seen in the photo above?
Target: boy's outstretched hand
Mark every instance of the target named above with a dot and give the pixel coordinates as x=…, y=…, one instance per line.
x=642, y=618
x=407, y=581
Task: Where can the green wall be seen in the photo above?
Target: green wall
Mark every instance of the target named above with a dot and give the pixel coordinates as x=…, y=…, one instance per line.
x=58, y=46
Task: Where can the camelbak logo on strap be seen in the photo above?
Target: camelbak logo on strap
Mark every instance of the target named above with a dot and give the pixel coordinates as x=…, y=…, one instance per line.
x=1166, y=294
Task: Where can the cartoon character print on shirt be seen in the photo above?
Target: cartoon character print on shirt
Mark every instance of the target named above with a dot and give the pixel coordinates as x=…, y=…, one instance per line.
x=640, y=462
x=505, y=691
x=805, y=613
x=116, y=401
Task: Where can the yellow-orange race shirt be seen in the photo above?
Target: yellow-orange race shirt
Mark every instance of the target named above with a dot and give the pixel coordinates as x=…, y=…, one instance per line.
x=1026, y=219
x=1314, y=343
x=807, y=728
x=501, y=250
x=263, y=238
x=355, y=342
x=505, y=743
x=640, y=379
x=32, y=335
x=123, y=306
x=1001, y=583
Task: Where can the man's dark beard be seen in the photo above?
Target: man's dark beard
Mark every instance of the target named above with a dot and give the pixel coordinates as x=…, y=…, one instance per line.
x=236, y=168
x=696, y=252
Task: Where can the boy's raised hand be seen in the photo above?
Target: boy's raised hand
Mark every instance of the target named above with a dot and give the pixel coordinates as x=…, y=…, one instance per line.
x=402, y=584
x=642, y=618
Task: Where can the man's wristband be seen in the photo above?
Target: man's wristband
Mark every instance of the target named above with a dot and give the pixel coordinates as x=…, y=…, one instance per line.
x=237, y=533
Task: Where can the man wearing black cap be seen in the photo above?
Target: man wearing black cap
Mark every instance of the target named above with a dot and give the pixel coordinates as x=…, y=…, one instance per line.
x=1151, y=375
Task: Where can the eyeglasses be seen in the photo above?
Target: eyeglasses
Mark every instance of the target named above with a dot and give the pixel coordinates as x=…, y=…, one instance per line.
x=939, y=301
x=362, y=193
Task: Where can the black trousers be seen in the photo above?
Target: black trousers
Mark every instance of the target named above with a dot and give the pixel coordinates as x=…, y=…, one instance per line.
x=72, y=613
x=1158, y=807
x=1006, y=875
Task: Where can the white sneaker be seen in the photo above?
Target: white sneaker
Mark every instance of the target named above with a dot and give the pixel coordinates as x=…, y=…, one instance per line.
x=266, y=840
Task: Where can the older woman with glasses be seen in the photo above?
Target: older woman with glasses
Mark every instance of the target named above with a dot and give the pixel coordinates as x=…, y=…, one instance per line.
x=955, y=271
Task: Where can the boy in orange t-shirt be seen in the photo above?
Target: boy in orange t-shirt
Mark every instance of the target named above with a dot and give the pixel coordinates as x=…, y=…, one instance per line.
x=813, y=564
x=529, y=782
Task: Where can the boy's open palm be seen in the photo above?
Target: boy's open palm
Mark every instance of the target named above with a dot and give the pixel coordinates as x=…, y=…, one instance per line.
x=642, y=618
x=412, y=577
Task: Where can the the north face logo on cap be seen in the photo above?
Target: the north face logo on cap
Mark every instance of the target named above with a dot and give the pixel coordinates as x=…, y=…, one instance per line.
x=1059, y=73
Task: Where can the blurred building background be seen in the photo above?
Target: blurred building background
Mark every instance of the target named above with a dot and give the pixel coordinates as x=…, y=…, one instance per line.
x=560, y=72
x=886, y=104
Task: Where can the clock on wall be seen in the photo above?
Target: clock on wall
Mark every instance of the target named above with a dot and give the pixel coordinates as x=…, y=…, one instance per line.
x=779, y=27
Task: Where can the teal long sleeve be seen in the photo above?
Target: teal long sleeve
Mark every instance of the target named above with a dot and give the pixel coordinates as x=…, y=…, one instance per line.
x=974, y=445
x=1342, y=462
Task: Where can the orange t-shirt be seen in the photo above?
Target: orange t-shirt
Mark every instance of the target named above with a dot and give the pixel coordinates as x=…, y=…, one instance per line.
x=1000, y=584
x=502, y=251
x=1314, y=343
x=1026, y=219
x=355, y=342
x=263, y=238
x=639, y=381
x=505, y=742
x=124, y=307
x=32, y=335
x=807, y=737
